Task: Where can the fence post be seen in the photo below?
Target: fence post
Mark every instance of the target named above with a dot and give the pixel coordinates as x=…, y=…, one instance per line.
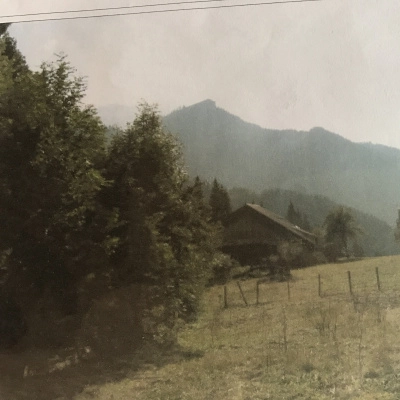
x=225, y=297
x=319, y=285
x=257, y=292
x=350, y=285
x=378, y=282
x=241, y=292
x=285, y=342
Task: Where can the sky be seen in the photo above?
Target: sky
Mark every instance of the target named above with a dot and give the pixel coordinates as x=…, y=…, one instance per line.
x=332, y=63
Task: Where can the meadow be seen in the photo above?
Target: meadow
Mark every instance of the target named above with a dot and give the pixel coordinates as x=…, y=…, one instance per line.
x=311, y=339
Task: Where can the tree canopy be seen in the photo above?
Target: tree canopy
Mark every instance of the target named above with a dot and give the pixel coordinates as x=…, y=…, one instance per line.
x=73, y=205
x=219, y=202
x=165, y=235
x=340, y=226
x=52, y=151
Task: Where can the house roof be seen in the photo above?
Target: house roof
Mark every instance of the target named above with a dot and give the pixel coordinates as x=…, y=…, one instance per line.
x=277, y=219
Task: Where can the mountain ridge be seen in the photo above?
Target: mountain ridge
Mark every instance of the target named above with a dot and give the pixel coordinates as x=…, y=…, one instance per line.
x=240, y=154
x=219, y=144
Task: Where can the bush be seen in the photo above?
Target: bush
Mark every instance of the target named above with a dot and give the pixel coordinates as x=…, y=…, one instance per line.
x=279, y=269
x=222, y=266
x=313, y=258
x=295, y=255
x=332, y=251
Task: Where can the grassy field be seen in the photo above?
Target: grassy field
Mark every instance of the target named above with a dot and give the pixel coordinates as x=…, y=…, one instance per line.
x=301, y=341
x=295, y=344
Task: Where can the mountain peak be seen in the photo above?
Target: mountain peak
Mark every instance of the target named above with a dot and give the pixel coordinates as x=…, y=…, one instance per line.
x=208, y=104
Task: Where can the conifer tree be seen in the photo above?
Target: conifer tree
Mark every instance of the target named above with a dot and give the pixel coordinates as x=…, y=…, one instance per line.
x=294, y=216
x=291, y=213
x=219, y=202
x=306, y=223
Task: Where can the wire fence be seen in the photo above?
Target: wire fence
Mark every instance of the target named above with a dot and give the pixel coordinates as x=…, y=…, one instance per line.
x=368, y=282
x=315, y=304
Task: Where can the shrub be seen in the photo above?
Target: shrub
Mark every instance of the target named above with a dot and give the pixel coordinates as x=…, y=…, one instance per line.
x=332, y=251
x=222, y=266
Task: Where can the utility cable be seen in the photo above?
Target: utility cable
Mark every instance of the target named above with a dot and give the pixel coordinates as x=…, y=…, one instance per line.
x=163, y=11
x=177, y=3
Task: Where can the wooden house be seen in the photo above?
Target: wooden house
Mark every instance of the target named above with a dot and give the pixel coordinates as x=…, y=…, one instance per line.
x=252, y=234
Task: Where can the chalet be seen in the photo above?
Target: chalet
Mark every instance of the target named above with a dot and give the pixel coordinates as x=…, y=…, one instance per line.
x=253, y=234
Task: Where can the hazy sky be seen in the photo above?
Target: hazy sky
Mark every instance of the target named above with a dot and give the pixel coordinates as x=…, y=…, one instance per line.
x=334, y=63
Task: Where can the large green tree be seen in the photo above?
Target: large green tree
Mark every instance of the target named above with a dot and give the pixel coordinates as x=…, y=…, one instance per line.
x=52, y=151
x=166, y=240
x=340, y=227
x=73, y=207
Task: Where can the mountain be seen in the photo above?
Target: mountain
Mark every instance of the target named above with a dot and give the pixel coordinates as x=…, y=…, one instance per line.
x=240, y=154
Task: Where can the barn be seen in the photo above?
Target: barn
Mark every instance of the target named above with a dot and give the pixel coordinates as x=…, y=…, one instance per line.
x=253, y=233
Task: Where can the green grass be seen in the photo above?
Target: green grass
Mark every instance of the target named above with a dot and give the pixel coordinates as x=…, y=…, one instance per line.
x=307, y=347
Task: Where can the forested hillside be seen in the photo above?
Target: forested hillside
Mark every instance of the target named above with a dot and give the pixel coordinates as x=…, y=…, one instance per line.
x=219, y=144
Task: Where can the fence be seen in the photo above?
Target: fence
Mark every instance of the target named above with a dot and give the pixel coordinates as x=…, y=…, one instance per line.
x=307, y=286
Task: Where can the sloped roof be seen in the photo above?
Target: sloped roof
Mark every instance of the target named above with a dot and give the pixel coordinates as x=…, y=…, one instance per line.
x=269, y=215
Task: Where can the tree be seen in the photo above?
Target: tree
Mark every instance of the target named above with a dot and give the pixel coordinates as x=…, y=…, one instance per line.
x=306, y=223
x=219, y=202
x=166, y=240
x=4, y=27
x=52, y=151
x=73, y=207
x=397, y=230
x=294, y=216
x=340, y=226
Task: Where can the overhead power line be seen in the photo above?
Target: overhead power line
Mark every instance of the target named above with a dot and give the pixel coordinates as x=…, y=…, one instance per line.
x=168, y=10
x=177, y=3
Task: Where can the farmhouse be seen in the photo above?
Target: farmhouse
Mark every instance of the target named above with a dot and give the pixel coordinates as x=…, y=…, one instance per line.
x=253, y=234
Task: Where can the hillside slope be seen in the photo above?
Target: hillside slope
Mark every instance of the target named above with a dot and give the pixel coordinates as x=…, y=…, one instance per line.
x=219, y=144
